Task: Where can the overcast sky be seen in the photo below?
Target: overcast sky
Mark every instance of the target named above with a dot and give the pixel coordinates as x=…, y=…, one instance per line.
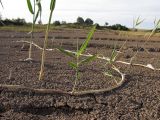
x=101, y=11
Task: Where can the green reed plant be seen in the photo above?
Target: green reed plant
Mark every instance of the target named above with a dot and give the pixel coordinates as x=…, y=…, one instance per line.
x=32, y=9
x=110, y=63
x=52, y=6
x=156, y=26
x=137, y=22
x=80, y=58
x=77, y=56
x=155, y=21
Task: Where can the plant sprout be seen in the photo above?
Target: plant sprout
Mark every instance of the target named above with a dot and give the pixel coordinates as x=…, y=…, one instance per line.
x=137, y=22
x=52, y=6
x=77, y=55
x=111, y=61
x=156, y=23
x=35, y=16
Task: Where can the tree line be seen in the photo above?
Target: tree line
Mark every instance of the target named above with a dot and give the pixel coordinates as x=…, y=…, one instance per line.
x=16, y=22
x=80, y=23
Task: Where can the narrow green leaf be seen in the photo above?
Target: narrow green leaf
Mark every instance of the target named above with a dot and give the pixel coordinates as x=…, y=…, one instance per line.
x=108, y=74
x=157, y=25
x=52, y=5
x=155, y=21
x=39, y=8
x=73, y=65
x=38, y=2
x=89, y=59
x=66, y=52
x=84, y=45
x=30, y=6
x=36, y=16
x=138, y=21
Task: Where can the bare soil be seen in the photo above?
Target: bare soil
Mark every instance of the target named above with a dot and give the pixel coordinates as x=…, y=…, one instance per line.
x=137, y=99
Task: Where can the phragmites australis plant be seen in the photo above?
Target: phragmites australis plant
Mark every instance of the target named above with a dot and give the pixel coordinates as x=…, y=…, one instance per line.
x=77, y=55
x=52, y=6
x=35, y=15
x=111, y=62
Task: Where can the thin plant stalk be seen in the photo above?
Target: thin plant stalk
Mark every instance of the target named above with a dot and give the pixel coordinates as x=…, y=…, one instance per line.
x=31, y=39
x=77, y=70
x=148, y=38
x=41, y=74
x=35, y=16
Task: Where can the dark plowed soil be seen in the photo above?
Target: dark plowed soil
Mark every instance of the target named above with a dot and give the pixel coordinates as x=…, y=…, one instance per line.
x=137, y=99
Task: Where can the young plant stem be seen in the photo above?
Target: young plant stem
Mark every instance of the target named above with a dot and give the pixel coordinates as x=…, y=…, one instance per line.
x=31, y=39
x=44, y=48
x=77, y=69
x=76, y=80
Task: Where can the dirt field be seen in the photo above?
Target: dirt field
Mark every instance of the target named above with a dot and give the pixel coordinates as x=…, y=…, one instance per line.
x=137, y=99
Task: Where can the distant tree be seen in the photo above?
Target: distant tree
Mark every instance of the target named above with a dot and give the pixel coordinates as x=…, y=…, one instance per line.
x=106, y=23
x=118, y=27
x=7, y=22
x=64, y=22
x=19, y=21
x=56, y=23
x=89, y=21
x=80, y=20
x=98, y=26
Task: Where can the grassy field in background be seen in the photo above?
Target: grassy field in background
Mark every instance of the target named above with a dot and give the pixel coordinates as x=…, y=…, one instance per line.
x=38, y=28
x=42, y=28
